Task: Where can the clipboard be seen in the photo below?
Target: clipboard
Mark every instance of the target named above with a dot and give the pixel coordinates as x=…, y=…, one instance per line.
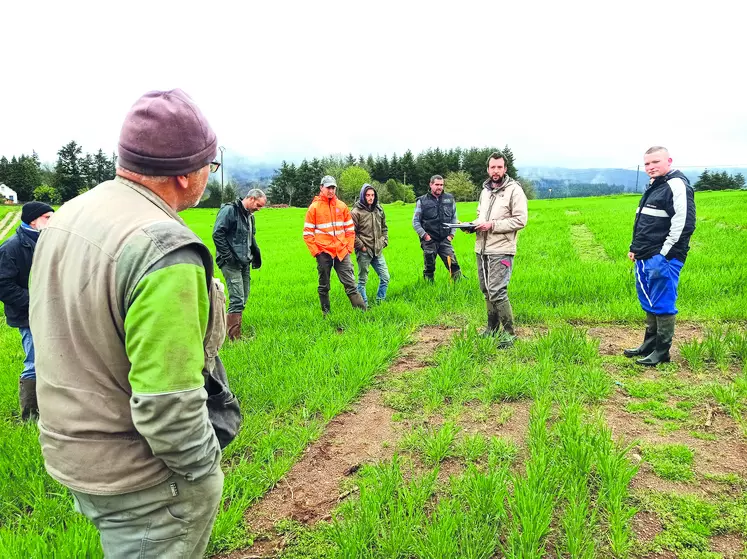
x=459, y=225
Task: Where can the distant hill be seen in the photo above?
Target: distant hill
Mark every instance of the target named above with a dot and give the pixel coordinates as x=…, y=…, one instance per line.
x=244, y=170
x=624, y=178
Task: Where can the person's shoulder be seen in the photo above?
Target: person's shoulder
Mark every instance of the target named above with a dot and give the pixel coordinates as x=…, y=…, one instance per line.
x=12, y=243
x=169, y=234
x=227, y=209
x=677, y=179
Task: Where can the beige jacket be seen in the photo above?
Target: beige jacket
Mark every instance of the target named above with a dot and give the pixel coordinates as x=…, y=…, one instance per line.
x=506, y=208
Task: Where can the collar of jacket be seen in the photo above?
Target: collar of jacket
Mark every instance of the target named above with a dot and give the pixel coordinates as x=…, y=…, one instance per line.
x=320, y=198
x=488, y=184
x=663, y=179
x=241, y=208
x=154, y=198
x=27, y=237
x=371, y=208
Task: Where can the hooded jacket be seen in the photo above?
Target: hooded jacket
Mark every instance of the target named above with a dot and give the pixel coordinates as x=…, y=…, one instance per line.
x=506, y=208
x=329, y=228
x=665, y=218
x=371, y=230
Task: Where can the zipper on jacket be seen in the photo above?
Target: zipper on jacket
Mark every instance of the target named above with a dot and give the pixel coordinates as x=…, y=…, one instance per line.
x=490, y=209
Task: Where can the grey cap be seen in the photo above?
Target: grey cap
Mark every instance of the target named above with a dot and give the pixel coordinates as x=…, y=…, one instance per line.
x=328, y=180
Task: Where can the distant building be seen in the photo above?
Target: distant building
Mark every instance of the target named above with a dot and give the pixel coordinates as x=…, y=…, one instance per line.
x=7, y=193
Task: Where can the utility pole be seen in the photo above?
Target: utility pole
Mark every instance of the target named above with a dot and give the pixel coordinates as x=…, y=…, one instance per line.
x=222, y=192
x=637, y=172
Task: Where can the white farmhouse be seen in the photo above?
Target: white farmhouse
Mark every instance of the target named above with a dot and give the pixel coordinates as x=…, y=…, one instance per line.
x=8, y=193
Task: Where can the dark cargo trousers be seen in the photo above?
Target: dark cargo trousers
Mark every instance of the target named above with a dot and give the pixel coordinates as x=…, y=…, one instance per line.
x=443, y=248
x=345, y=273
x=238, y=280
x=171, y=519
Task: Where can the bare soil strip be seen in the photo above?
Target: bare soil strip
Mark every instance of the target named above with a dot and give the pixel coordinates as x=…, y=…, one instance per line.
x=7, y=223
x=311, y=490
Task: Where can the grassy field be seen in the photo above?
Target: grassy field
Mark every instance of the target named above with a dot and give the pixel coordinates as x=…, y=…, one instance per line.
x=556, y=447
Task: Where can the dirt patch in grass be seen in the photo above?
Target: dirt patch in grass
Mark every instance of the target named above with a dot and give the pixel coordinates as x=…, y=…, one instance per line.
x=419, y=354
x=726, y=455
x=729, y=545
x=646, y=526
x=508, y=419
x=311, y=490
x=614, y=339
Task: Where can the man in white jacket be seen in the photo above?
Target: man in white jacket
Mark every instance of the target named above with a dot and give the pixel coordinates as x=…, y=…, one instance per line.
x=501, y=212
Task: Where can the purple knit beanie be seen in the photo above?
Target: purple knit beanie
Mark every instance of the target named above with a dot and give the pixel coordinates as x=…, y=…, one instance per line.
x=166, y=134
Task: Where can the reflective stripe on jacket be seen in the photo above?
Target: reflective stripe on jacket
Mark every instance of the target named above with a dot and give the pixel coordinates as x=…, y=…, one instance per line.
x=329, y=228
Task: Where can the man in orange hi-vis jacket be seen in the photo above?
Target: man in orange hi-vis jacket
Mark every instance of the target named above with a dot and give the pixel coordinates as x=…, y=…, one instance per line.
x=330, y=235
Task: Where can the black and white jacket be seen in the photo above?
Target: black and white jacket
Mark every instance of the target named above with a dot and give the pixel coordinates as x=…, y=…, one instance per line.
x=665, y=218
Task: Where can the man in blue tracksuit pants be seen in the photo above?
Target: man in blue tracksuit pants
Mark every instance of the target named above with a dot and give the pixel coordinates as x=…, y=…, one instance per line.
x=664, y=223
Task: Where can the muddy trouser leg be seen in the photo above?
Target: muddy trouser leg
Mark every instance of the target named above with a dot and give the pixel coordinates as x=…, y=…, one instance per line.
x=430, y=250
x=346, y=275
x=495, y=274
x=171, y=519
x=379, y=265
x=446, y=252
x=364, y=261
x=492, y=311
x=238, y=286
x=324, y=270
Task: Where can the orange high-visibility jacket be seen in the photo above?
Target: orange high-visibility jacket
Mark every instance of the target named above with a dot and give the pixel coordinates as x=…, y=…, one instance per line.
x=329, y=228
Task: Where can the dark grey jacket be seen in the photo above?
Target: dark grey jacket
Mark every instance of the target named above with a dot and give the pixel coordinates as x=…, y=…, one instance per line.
x=231, y=233
x=15, y=264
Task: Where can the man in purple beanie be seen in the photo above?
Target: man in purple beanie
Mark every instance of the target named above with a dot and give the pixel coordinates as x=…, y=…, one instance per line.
x=15, y=264
x=127, y=320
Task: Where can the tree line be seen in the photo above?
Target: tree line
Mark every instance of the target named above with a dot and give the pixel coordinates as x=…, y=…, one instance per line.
x=73, y=173
x=719, y=181
x=395, y=178
x=558, y=188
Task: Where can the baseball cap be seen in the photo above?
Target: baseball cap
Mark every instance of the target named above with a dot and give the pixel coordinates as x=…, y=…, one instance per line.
x=328, y=180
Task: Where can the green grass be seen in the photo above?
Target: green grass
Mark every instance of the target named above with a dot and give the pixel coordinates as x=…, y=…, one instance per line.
x=690, y=521
x=670, y=461
x=298, y=371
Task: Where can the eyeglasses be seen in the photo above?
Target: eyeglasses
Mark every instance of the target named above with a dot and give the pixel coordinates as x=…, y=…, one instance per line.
x=331, y=186
x=214, y=166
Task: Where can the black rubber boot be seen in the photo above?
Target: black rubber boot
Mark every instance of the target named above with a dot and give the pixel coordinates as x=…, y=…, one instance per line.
x=506, y=319
x=649, y=339
x=494, y=321
x=324, y=301
x=664, y=335
x=357, y=301
x=27, y=398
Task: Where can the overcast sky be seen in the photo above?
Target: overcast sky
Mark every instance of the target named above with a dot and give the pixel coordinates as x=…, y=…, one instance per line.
x=578, y=84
